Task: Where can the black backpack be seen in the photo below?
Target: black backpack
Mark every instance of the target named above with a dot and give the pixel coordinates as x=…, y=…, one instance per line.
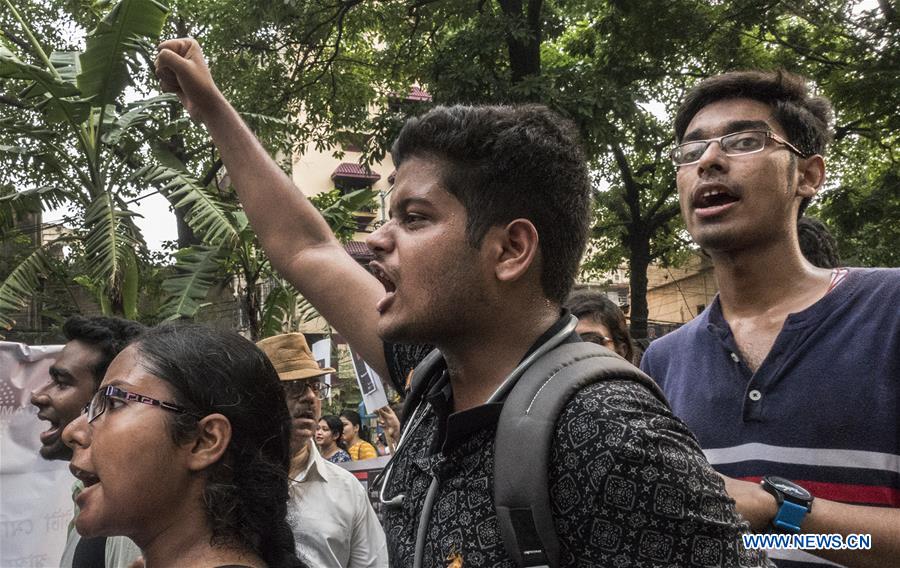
x=521, y=484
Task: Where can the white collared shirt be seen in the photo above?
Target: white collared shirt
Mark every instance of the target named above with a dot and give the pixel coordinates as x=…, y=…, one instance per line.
x=333, y=522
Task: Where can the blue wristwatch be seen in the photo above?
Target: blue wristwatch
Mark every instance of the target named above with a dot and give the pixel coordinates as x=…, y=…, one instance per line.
x=794, y=502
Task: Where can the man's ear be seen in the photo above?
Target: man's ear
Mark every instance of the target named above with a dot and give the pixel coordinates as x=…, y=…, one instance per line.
x=210, y=442
x=811, y=175
x=517, y=248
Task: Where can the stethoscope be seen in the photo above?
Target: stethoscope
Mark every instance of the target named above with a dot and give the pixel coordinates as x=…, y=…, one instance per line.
x=384, y=478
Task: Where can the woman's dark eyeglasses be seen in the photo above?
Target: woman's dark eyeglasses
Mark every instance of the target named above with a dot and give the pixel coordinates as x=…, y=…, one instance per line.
x=592, y=337
x=297, y=388
x=98, y=404
x=736, y=144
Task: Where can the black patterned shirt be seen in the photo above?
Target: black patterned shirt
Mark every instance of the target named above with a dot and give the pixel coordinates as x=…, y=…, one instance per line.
x=629, y=486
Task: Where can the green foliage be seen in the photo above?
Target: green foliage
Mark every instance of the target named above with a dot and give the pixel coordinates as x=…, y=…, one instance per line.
x=106, y=68
x=19, y=285
x=68, y=139
x=851, y=50
x=617, y=69
x=216, y=219
x=197, y=269
x=337, y=208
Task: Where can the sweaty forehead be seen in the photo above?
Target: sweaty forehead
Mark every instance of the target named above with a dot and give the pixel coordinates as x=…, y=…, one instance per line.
x=78, y=359
x=731, y=115
x=420, y=179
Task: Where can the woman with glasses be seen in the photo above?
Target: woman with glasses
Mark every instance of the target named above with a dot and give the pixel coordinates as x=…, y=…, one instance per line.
x=184, y=449
x=601, y=321
x=330, y=439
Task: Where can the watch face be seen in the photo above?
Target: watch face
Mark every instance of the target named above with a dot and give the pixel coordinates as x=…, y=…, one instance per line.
x=789, y=488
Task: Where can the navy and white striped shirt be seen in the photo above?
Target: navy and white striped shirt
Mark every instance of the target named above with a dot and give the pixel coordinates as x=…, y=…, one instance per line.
x=823, y=408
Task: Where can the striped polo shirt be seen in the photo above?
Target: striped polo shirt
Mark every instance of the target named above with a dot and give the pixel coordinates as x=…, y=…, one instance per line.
x=822, y=409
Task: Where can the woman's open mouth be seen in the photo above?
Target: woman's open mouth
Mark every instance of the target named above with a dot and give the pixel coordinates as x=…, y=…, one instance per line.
x=86, y=477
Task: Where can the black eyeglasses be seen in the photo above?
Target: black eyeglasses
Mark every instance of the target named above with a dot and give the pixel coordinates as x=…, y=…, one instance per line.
x=297, y=388
x=736, y=144
x=592, y=337
x=100, y=401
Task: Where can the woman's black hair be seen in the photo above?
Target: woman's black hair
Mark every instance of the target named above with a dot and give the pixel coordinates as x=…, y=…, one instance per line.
x=590, y=304
x=246, y=492
x=336, y=427
x=353, y=417
x=817, y=244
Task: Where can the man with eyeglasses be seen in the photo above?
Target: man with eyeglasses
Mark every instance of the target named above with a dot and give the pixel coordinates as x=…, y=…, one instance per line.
x=789, y=379
x=91, y=345
x=334, y=523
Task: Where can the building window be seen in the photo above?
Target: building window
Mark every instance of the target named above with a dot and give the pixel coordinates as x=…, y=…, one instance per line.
x=349, y=177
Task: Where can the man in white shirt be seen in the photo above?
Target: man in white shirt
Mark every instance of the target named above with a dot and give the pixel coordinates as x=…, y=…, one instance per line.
x=334, y=523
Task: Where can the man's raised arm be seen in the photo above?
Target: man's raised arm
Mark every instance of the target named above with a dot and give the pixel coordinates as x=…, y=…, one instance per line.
x=294, y=235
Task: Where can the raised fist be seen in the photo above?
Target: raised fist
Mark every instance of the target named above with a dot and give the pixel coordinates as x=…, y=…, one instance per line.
x=182, y=70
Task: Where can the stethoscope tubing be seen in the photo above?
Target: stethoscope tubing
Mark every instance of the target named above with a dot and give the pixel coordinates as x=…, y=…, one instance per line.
x=417, y=417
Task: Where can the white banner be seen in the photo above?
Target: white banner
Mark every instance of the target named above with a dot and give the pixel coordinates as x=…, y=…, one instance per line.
x=321, y=351
x=370, y=384
x=35, y=494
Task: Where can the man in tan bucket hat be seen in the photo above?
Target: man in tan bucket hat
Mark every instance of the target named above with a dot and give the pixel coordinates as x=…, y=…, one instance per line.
x=334, y=524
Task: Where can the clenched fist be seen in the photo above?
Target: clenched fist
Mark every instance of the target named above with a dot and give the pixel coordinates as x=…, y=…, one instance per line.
x=182, y=70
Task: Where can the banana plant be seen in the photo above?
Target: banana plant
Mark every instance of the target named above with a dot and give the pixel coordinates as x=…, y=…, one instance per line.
x=230, y=250
x=67, y=138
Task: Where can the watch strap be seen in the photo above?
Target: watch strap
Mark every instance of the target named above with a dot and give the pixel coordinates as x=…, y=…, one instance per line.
x=789, y=516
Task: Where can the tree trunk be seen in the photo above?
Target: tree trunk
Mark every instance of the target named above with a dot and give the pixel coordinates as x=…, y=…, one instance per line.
x=524, y=48
x=250, y=304
x=638, y=262
x=186, y=236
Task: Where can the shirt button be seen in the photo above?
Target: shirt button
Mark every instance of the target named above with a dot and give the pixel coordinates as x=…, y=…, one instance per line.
x=755, y=395
x=735, y=358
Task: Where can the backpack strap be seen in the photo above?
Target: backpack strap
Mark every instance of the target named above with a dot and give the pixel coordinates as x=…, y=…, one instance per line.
x=424, y=375
x=521, y=470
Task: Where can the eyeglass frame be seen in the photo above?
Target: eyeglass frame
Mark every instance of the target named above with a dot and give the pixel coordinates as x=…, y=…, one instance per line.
x=112, y=391
x=321, y=390
x=769, y=136
x=590, y=337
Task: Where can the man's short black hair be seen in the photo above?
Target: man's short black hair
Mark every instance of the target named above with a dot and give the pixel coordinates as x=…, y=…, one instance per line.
x=107, y=335
x=511, y=162
x=805, y=117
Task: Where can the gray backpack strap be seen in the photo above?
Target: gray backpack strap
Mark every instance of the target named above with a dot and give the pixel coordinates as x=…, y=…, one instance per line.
x=521, y=470
x=423, y=376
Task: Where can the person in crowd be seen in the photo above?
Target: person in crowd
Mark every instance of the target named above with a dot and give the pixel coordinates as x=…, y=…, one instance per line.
x=334, y=523
x=91, y=345
x=389, y=421
x=817, y=244
x=488, y=221
x=790, y=375
x=358, y=448
x=382, y=446
x=330, y=439
x=601, y=321
x=184, y=449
